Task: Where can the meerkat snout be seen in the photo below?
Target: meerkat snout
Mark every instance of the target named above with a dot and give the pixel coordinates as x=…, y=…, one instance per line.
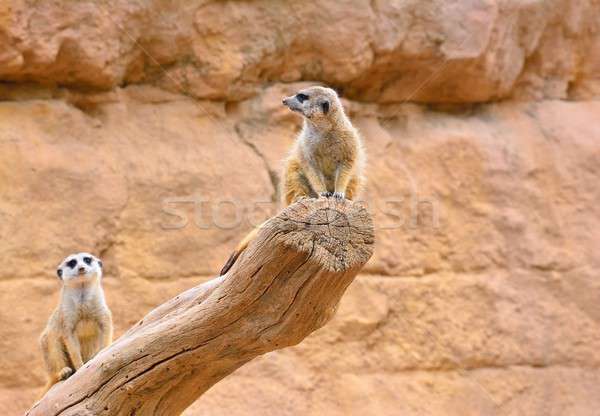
x=292, y=103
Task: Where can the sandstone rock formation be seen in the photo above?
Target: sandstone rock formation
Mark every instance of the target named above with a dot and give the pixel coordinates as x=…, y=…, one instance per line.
x=384, y=51
x=151, y=133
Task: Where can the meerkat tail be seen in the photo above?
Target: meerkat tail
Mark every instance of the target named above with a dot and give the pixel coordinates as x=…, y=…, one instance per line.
x=51, y=382
x=47, y=386
x=240, y=249
x=231, y=260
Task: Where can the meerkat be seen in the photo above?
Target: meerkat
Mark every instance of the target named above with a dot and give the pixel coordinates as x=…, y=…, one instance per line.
x=327, y=158
x=81, y=325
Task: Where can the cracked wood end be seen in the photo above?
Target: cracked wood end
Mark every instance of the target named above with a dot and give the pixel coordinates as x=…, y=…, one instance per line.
x=283, y=287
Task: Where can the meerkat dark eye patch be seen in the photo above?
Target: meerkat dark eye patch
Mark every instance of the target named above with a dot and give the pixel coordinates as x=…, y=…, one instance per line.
x=72, y=263
x=59, y=273
x=87, y=260
x=325, y=107
x=301, y=97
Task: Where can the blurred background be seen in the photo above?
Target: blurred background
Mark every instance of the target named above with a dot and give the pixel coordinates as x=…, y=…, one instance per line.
x=151, y=133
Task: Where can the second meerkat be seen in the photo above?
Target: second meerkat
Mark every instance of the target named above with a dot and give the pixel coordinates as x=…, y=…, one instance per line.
x=81, y=325
x=327, y=159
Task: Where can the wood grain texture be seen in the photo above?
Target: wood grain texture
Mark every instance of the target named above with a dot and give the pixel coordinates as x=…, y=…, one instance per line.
x=285, y=285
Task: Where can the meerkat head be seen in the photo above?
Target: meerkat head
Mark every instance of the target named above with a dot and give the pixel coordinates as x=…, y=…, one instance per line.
x=79, y=267
x=316, y=104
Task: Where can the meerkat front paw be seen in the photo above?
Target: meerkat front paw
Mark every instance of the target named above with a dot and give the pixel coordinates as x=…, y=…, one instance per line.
x=339, y=195
x=327, y=194
x=65, y=373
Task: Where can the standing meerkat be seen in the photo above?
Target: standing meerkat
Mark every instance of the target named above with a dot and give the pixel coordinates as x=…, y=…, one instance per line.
x=327, y=159
x=81, y=325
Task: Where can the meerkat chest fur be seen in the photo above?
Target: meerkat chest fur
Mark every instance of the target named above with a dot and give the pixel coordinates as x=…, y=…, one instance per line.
x=83, y=304
x=327, y=150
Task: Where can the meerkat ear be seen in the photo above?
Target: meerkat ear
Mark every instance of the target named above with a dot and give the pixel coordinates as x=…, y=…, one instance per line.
x=59, y=273
x=325, y=107
x=100, y=263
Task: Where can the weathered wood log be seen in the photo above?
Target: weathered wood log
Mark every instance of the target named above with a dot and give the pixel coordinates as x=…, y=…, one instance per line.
x=284, y=286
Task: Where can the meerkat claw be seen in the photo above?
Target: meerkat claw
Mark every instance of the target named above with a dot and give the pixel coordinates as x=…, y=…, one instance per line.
x=339, y=195
x=327, y=194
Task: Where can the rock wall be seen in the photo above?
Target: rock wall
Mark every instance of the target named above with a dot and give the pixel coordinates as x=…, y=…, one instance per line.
x=151, y=133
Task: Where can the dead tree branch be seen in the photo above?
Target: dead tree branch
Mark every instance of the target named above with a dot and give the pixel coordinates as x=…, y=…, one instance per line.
x=285, y=285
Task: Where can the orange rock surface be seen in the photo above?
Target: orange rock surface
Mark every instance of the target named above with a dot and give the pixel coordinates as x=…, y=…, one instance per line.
x=152, y=134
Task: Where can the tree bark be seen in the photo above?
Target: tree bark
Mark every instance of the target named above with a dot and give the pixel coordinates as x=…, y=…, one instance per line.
x=283, y=287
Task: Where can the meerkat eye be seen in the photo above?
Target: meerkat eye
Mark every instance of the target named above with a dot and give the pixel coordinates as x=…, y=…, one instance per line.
x=301, y=97
x=72, y=263
x=87, y=260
